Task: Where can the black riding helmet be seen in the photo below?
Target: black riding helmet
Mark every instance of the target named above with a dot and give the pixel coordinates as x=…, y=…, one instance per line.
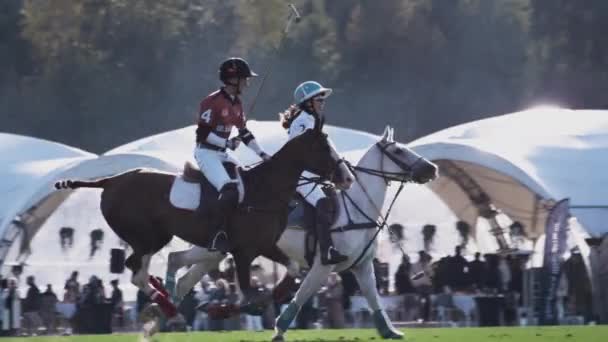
x=235, y=67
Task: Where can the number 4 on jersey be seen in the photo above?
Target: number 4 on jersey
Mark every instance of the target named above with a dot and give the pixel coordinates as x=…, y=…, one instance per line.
x=206, y=116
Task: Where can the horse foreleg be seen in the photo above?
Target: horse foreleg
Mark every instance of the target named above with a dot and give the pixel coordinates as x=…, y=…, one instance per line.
x=243, y=271
x=311, y=284
x=366, y=278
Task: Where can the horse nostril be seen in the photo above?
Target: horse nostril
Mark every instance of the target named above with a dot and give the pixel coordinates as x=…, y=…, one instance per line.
x=349, y=179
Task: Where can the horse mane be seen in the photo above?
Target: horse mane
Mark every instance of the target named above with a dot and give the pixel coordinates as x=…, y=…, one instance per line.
x=255, y=171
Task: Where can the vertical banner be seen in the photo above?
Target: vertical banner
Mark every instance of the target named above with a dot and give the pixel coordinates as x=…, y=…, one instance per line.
x=556, y=234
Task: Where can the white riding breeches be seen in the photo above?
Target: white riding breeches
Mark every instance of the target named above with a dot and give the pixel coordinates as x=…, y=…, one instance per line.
x=311, y=192
x=210, y=163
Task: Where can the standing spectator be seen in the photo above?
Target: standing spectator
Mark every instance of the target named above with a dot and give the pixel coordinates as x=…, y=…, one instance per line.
x=333, y=295
x=117, y=303
x=93, y=292
x=517, y=274
x=403, y=283
x=476, y=271
x=579, y=289
x=218, y=297
x=11, y=303
x=445, y=304
x=31, y=307
x=203, y=297
x=492, y=274
x=405, y=288
x=48, y=311
x=72, y=289
x=457, y=265
x=422, y=275
x=505, y=274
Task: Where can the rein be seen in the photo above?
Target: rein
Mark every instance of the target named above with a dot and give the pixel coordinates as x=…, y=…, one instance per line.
x=378, y=226
x=401, y=177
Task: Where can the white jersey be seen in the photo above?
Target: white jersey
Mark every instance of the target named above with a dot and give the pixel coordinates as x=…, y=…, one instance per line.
x=311, y=192
x=300, y=124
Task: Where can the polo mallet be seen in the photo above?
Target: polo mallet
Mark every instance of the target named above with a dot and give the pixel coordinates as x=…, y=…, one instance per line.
x=293, y=15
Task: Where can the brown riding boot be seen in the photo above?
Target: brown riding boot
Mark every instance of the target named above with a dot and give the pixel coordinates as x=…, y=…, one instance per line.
x=329, y=254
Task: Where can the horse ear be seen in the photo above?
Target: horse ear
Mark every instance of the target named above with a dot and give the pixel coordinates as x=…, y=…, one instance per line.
x=385, y=134
x=391, y=135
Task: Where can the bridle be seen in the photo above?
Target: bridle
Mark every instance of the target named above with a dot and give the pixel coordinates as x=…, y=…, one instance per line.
x=404, y=176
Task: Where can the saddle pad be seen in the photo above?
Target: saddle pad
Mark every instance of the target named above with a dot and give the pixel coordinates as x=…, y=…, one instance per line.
x=184, y=195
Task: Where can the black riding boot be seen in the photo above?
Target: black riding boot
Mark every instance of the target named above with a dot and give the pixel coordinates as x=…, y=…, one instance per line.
x=329, y=254
x=227, y=201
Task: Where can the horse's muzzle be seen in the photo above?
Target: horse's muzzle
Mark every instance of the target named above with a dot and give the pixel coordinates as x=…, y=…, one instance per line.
x=345, y=184
x=425, y=174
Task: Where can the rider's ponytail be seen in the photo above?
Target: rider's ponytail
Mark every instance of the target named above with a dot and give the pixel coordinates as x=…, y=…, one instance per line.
x=289, y=115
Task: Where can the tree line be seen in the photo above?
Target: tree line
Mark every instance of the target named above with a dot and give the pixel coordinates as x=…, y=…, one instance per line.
x=99, y=73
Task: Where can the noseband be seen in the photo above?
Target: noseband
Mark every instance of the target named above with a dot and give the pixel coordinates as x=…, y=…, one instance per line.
x=404, y=176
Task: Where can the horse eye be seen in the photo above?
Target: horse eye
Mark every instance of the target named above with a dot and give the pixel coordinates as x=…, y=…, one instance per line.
x=398, y=151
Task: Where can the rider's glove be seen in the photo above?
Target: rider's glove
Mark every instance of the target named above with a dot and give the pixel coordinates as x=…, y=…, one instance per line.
x=265, y=156
x=233, y=143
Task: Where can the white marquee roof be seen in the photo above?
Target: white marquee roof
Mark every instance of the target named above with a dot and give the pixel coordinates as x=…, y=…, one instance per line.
x=549, y=153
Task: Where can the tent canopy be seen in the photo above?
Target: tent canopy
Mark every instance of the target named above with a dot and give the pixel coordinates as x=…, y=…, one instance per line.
x=524, y=162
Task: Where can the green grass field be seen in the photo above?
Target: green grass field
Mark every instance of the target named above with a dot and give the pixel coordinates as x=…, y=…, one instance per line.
x=532, y=334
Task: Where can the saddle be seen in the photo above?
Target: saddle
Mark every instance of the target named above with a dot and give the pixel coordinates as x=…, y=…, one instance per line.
x=192, y=174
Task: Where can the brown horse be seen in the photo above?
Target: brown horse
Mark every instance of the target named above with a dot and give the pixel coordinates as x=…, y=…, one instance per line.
x=136, y=206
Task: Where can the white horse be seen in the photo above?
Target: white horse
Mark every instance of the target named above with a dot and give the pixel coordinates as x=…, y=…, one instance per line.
x=361, y=205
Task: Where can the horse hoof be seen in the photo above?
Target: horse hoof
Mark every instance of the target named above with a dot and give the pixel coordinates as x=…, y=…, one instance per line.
x=278, y=338
x=150, y=312
x=150, y=328
x=393, y=335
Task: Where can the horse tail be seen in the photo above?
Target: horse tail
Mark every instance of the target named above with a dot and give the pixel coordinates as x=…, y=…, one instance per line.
x=101, y=183
x=75, y=184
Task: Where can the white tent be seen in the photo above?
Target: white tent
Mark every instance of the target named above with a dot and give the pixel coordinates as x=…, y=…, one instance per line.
x=28, y=165
x=524, y=162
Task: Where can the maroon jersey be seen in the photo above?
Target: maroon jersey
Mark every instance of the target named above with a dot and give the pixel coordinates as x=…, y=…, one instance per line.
x=218, y=113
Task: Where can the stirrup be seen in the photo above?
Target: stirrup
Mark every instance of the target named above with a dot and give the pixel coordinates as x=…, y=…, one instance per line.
x=333, y=258
x=212, y=246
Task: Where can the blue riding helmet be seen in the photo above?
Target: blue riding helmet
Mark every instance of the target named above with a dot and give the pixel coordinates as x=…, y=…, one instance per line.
x=308, y=90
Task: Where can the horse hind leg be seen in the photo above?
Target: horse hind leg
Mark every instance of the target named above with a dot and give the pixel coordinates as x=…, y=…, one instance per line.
x=367, y=283
x=141, y=279
x=202, y=260
x=312, y=282
x=134, y=263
